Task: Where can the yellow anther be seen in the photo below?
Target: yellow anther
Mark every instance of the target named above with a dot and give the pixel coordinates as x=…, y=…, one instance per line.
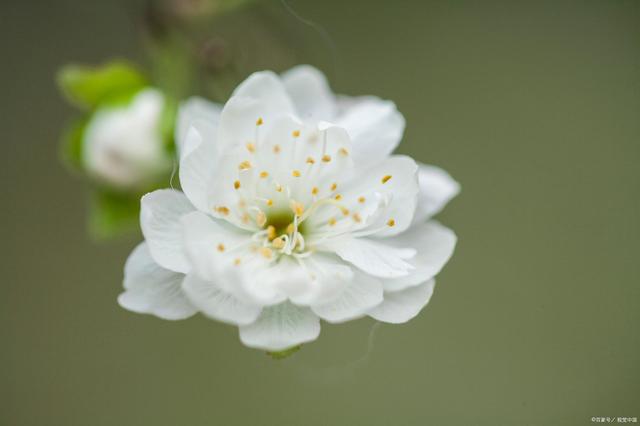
x=276, y=149
x=259, y=121
x=245, y=218
x=278, y=243
x=357, y=218
x=271, y=232
x=296, y=173
x=297, y=208
x=279, y=188
x=332, y=221
x=221, y=247
x=334, y=186
x=391, y=222
x=361, y=199
x=261, y=219
x=236, y=261
x=345, y=211
x=310, y=160
x=266, y=252
x=338, y=197
x=295, y=133
x=290, y=228
x=223, y=210
x=314, y=190
x=251, y=147
x=343, y=152
x=264, y=174
x=386, y=178
x=269, y=202
x=244, y=165
x=236, y=184
x=326, y=158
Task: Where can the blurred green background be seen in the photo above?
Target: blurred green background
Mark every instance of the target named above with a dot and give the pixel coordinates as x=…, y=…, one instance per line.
x=533, y=106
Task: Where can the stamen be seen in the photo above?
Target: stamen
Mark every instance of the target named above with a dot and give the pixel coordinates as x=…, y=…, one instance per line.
x=326, y=158
x=297, y=208
x=343, y=152
x=236, y=184
x=259, y=121
x=236, y=261
x=276, y=149
x=290, y=228
x=261, y=219
x=314, y=190
x=345, y=211
x=245, y=218
x=220, y=247
x=266, y=252
x=296, y=173
x=251, y=147
x=269, y=202
x=271, y=232
x=361, y=200
x=357, y=218
x=278, y=243
x=310, y=160
x=391, y=222
x=338, y=197
x=278, y=188
x=295, y=133
x=332, y=221
x=386, y=178
x=244, y=165
x=223, y=210
x=264, y=175
x=334, y=186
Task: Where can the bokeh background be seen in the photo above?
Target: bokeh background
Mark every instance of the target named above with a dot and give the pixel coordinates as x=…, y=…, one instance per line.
x=533, y=106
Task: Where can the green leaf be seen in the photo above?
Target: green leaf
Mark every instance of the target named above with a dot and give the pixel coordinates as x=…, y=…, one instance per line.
x=71, y=146
x=113, y=214
x=88, y=86
x=284, y=353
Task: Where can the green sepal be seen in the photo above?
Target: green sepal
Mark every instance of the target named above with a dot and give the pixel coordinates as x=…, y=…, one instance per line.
x=284, y=353
x=87, y=86
x=113, y=214
x=71, y=144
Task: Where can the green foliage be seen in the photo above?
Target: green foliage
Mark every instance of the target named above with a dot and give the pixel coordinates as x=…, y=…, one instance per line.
x=284, y=353
x=71, y=146
x=113, y=214
x=88, y=87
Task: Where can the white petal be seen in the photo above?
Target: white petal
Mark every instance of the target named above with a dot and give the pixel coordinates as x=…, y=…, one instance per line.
x=437, y=187
x=196, y=110
x=160, y=215
x=401, y=306
x=394, y=183
x=150, y=289
x=216, y=303
x=363, y=293
x=373, y=257
x=310, y=93
x=375, y=126
x=434, y=244
x=281, y=327
x=198, y=164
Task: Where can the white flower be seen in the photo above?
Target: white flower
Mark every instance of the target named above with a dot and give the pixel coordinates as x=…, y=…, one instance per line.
x=123, y=145
x=293, y=210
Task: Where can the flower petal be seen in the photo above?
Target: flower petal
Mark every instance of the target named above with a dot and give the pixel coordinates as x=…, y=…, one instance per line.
x=281, y=327
x=160, y=215
x=373, y=257
x=150, y=289
x=308, y=89
x=437, y=187
x=196, y=110
x=375, y=126
x=216, y=303
x=401, y=306
x=434, y=244
x=360, y=295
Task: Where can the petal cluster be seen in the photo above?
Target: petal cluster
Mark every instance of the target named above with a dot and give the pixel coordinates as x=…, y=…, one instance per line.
x=293, y=209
